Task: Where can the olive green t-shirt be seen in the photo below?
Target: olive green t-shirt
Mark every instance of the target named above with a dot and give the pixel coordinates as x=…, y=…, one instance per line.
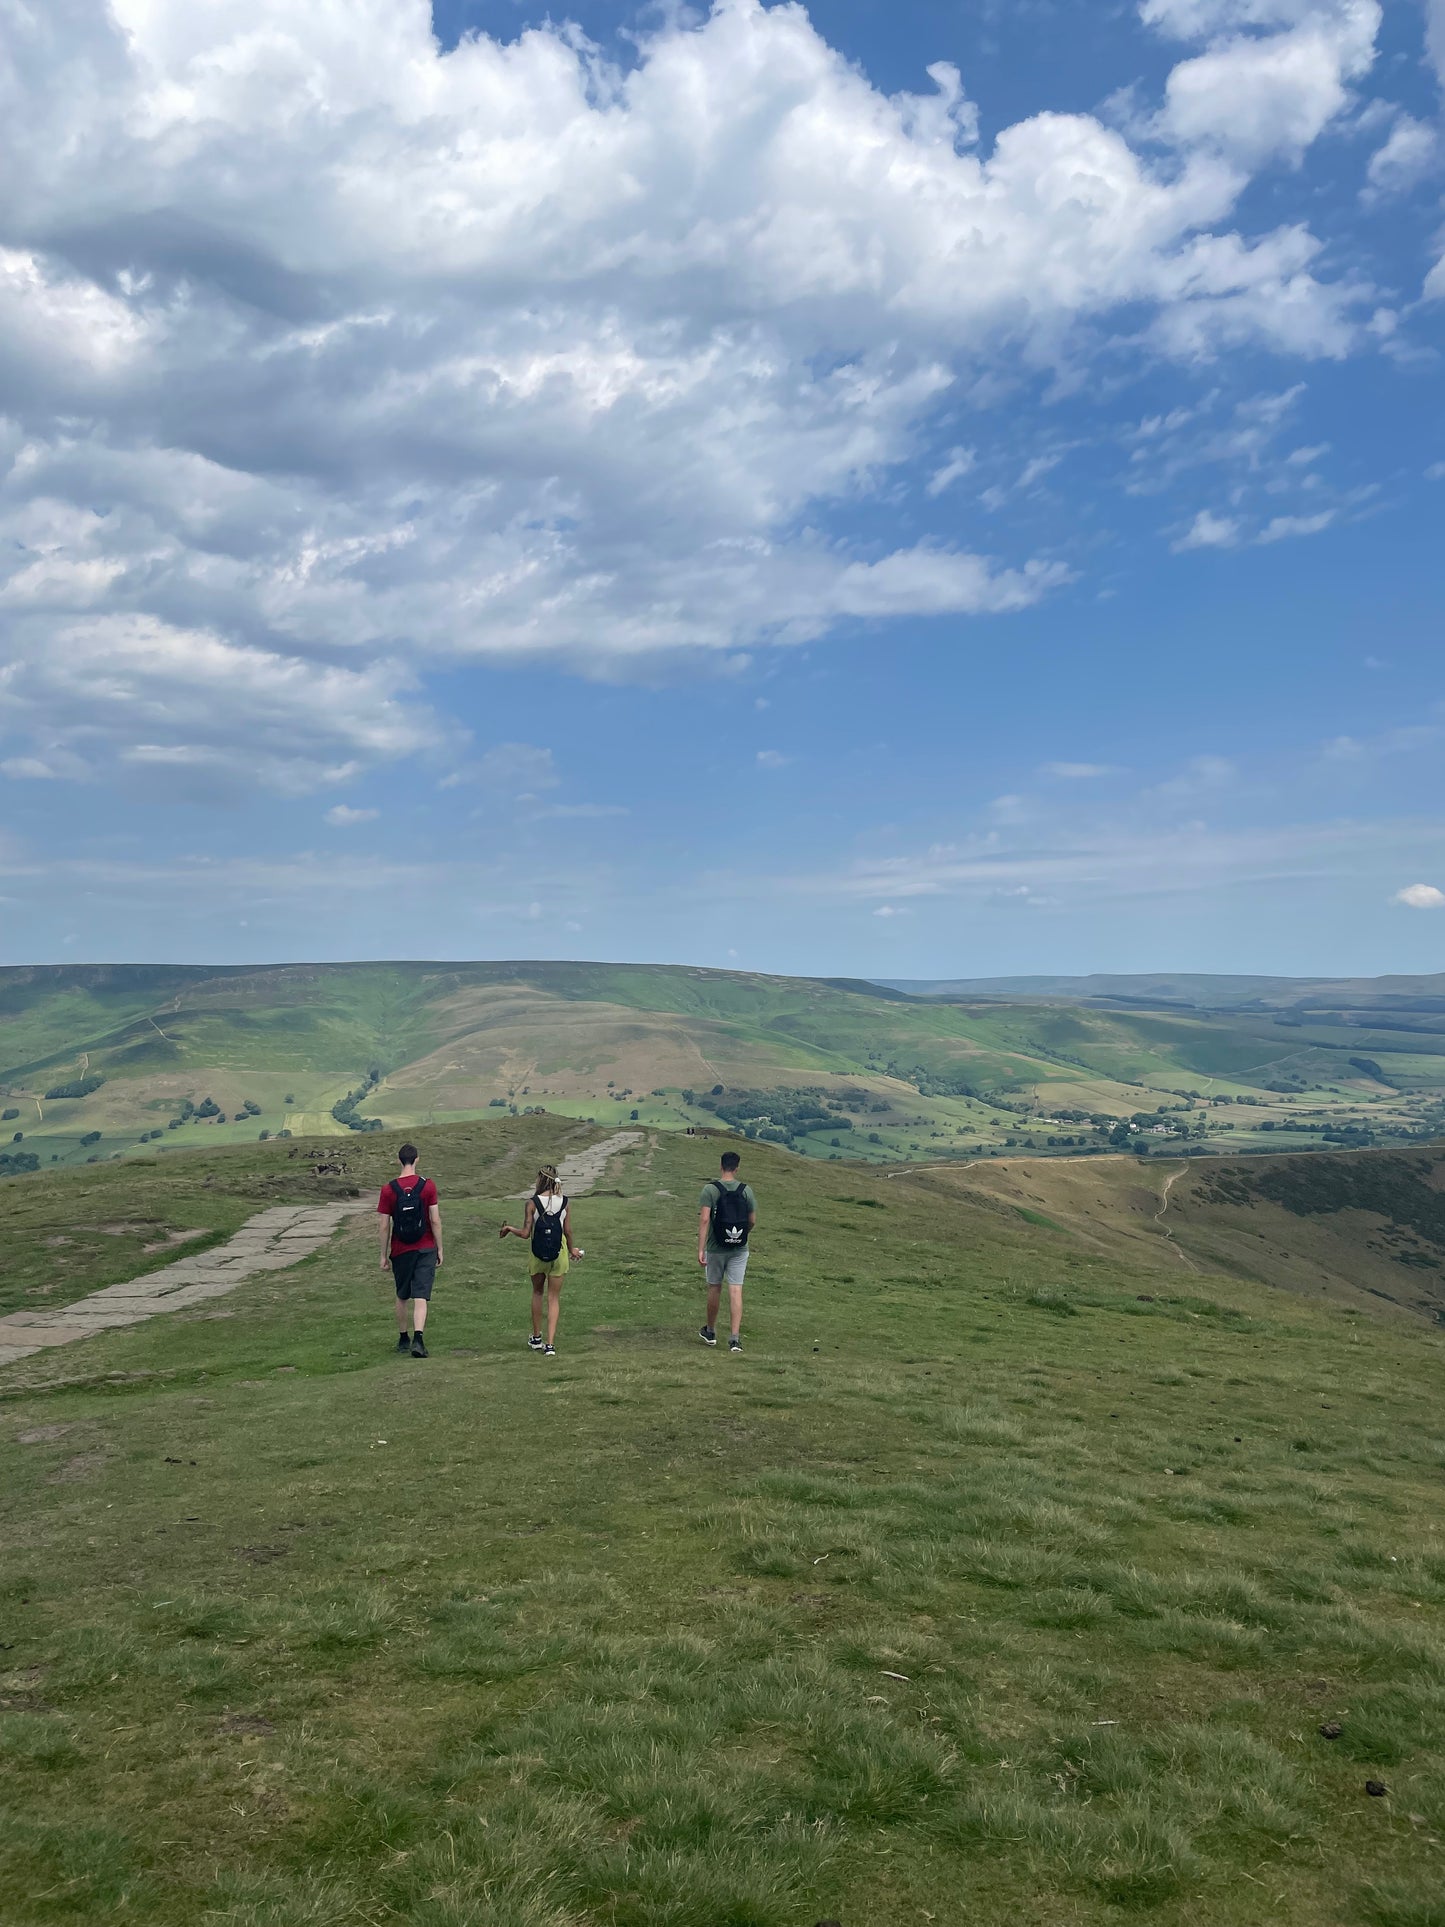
x=708, y=1197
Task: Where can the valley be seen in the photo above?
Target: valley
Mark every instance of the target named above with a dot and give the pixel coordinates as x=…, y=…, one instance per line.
x=100, y=1062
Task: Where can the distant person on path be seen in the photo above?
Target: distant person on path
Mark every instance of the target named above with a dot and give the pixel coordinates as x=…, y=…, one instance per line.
x=411, y=1242
x=547, y=1227
x=727, y=1212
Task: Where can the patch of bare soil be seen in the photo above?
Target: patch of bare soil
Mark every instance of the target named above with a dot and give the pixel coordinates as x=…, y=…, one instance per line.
x=84, y=1465
x=175, y=1238
x=245, y=1723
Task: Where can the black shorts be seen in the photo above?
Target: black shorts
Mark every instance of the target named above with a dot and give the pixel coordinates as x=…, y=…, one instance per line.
x=415, y=1273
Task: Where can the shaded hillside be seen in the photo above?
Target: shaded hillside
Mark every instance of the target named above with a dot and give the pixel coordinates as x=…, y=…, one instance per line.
x=1365, y=1228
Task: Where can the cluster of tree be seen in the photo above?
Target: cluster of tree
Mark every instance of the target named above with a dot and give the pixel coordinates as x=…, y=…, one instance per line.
x=776, y=1117
x=13, y=1163
x=347, y=1110
x=935, y=1083
x=1370, y=1068
x=77, y=1087
x=91, y=1137
x=9, y=1112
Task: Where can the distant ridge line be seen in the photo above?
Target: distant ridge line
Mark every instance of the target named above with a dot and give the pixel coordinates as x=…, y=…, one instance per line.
x=1191, y=990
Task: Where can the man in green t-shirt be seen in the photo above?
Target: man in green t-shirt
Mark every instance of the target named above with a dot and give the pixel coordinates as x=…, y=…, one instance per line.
x=727, y=1212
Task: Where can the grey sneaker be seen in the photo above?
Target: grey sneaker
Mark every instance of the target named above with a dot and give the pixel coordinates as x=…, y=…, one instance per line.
x=708, y=1335
x=735, y=1344
x=549, y=1351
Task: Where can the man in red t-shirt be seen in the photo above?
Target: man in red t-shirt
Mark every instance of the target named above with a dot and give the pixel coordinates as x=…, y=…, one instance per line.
x=411, y=1242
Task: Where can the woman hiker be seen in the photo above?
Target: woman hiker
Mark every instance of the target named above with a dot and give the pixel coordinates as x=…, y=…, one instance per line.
x=548, y=1229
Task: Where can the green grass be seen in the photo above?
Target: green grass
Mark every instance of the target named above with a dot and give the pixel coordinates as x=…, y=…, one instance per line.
x=1021, y=1597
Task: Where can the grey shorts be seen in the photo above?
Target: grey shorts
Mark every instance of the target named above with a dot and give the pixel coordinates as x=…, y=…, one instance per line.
x=415, y=1273
x=727, y=1267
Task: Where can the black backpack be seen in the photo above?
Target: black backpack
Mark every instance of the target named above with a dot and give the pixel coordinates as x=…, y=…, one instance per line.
x=410, y=1219
x=547, y=1231
x=730, y=1218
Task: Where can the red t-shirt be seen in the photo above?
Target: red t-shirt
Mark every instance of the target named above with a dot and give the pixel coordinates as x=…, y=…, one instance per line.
x=428, y=1197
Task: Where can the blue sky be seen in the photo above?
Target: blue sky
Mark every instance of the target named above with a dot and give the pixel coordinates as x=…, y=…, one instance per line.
x=951, y=491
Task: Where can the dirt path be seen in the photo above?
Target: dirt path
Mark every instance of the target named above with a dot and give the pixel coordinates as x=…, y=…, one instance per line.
x=581, y=1171
x=271, y=1241
x=1169, y=1184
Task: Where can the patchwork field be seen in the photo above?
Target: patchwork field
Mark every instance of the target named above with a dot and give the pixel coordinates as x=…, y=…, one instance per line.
x=1016, y=1571
x=98, y=1062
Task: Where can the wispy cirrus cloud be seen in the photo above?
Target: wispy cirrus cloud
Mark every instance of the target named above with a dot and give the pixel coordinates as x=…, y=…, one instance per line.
x=1079, y=772
x=1110, y=862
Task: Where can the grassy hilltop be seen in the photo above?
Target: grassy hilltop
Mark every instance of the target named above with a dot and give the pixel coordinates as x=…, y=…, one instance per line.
x=106, y=1060
x=1008, y=1576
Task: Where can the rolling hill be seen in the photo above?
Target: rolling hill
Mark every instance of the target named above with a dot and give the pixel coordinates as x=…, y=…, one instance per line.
x=99, y=1060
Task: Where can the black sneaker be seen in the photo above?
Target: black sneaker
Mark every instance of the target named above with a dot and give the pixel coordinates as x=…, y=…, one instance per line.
x=418, y=1347
x=403, y=1342
x=549, y=1351
x=708, y=1335
x=536, y=1343
x=735, y=1344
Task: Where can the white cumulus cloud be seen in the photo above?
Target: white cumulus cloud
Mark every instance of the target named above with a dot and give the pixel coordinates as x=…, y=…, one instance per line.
x=1210, y=531
x=1420, y=896
x=323, y=350
x=1255, y=95
x=1411, y=151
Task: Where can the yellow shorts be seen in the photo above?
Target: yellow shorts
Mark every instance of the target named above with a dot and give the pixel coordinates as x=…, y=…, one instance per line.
x=557, y=1267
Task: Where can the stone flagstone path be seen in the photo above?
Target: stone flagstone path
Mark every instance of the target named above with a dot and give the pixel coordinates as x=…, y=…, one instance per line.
x=582, y=1170
x=271, y=1241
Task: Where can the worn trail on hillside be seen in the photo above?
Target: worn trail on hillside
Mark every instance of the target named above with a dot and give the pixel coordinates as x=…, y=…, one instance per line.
x=580, y=1171
x=271, y=1241
x=1169, y=1184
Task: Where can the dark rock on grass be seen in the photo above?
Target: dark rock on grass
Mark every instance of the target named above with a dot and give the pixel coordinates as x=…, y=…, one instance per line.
x=1331, y=1730
x=1376, y=1789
